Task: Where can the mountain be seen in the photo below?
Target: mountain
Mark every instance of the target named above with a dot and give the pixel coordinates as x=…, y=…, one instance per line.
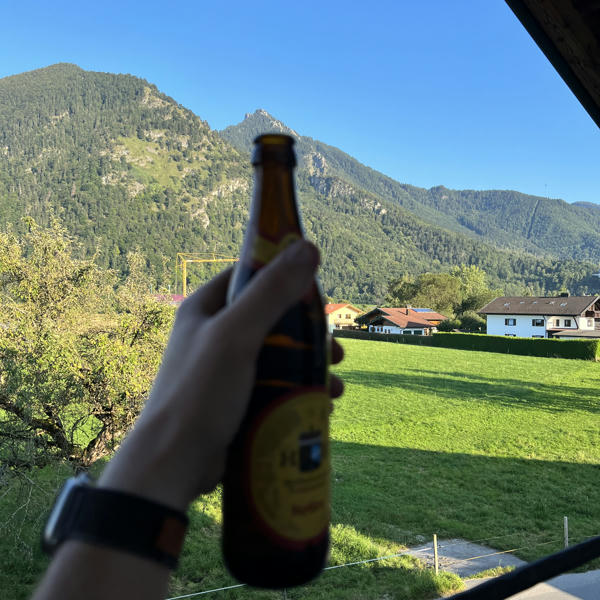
x=506, y=219
x=124, y=166
x=119, y=163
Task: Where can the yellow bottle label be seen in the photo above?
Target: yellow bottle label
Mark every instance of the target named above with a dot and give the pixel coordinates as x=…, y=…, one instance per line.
x=289, y=467
x=265, y=250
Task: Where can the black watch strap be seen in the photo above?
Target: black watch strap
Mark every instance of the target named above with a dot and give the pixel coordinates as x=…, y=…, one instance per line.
x=115, y=519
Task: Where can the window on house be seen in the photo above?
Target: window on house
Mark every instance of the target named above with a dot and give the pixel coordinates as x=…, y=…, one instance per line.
x=558, y=322
x=348, y=316
x=537, y=323
x=339, y=315
x=418, y=332
x=567, y=322
x=590, y=323
x=510, y=321
x=510, y=334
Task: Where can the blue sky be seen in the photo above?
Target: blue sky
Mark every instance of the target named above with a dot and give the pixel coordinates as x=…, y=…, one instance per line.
x=444, y=92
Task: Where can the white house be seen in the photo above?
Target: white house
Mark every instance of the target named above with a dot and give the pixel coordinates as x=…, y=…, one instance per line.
x=560, y=317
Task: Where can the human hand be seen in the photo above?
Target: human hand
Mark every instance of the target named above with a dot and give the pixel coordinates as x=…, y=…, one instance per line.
x=178, y=447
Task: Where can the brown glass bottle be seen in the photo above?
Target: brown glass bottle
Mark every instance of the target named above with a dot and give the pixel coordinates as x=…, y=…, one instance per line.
x=276, y=488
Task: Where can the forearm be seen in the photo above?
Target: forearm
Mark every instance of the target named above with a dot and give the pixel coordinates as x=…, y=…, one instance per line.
x=94, y=571
x=80, y=570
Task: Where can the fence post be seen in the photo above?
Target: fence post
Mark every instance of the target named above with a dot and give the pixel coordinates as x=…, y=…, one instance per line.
x=566, y=531
x=435, y=554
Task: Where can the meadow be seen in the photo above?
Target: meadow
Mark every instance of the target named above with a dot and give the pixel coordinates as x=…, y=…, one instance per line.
x=489, y=447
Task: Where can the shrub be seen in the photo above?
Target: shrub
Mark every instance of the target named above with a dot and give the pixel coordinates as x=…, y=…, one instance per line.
x=449, y=325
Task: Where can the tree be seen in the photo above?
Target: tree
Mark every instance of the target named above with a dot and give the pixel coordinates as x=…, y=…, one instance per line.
x=464, y=290
x=474, y=288
x=440, y=291
x=402, y=291
x=473, y=323
x=78, y=349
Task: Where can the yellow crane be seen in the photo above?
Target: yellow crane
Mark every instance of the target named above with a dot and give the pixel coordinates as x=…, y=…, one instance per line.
x=183, y=258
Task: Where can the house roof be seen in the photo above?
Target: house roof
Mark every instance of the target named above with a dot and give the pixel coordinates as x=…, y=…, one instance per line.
x=529, y=305
x=329, y=308
x=402, y=320
x=419, y=314
x=428, y=314
x=568, y=33
x=579, y=333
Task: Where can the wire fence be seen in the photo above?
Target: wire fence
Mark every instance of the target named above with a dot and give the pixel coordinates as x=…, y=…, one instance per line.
x=25, y=515
x=449, y=562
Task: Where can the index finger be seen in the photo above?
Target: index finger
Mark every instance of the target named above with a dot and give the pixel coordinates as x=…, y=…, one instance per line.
x=210, y=298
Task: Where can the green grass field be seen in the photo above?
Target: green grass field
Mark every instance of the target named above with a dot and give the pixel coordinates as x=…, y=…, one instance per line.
x=489, y=447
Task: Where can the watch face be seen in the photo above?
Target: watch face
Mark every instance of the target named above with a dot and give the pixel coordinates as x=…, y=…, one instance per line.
x=54, y=531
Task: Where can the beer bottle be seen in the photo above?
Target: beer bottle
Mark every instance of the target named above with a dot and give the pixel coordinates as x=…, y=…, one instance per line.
x=276, y=488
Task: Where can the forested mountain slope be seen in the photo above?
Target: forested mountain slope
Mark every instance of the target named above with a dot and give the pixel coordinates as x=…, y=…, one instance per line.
x=119, y=163
x=507, y=219
x=123, y=166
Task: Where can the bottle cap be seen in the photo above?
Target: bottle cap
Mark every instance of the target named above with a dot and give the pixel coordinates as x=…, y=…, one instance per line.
x=274, y=147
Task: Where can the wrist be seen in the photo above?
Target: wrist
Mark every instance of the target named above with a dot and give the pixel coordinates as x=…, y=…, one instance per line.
x=114, y=519
x=144, y=466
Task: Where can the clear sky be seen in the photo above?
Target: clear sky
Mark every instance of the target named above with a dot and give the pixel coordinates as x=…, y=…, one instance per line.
x=443, y=92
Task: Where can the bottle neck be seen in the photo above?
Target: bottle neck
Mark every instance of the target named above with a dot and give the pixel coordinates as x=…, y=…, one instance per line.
x=274, y=212
x=274, y=216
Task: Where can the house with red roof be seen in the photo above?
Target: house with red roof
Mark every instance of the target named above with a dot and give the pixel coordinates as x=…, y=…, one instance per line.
x=341, y=316
x=406, y=321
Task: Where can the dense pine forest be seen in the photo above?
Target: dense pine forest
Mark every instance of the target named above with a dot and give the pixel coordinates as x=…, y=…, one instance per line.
x=124, y=167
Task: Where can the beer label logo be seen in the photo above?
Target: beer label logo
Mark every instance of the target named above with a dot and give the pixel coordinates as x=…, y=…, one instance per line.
x=289, y=467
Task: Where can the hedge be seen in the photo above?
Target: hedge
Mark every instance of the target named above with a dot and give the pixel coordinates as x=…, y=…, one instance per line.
x=548, y=347
x=551, y=348
x=418, y=340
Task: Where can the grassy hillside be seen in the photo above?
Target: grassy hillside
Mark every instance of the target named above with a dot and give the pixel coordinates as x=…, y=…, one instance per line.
x=488, y=447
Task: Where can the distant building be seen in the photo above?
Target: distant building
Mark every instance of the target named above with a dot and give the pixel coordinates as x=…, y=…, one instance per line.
x=341, y=316
x=173, y=299
x=406, y=321
x=558, y=317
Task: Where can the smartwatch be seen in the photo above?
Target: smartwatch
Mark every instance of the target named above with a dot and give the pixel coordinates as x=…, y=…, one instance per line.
x=114, y=519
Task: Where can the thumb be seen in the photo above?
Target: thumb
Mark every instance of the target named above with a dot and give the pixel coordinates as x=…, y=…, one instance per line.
x=274, y=289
